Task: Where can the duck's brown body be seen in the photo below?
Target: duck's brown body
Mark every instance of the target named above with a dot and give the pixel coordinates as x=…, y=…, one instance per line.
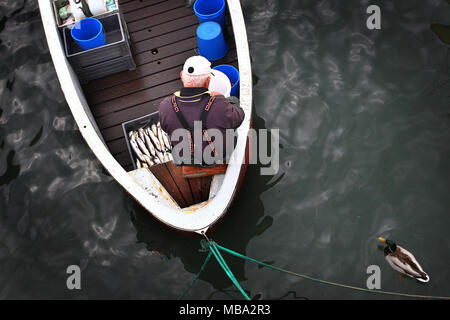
x=404, y=262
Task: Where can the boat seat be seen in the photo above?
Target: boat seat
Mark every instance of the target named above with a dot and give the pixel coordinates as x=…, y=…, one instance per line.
x=190, y=172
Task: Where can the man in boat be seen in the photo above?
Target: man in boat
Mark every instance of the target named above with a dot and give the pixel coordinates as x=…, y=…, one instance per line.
x=205, y=118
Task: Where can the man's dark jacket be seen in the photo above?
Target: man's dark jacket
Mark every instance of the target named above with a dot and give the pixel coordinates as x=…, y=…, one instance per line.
x=191, y=102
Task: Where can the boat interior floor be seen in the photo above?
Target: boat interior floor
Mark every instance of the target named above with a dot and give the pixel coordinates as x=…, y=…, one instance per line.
x=163, y=36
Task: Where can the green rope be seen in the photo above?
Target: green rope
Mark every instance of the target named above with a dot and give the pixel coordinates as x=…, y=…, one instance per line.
x=214, y=250
x=211, y=246
x=225, y=267
x=196, y=277
x=329, y=282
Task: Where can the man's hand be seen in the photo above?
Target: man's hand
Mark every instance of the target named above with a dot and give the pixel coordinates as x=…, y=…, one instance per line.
x=215, y=93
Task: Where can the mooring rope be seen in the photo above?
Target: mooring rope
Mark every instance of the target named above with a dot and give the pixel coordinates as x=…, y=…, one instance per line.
x=227, y=270
x=197, y=276
x=213, y=248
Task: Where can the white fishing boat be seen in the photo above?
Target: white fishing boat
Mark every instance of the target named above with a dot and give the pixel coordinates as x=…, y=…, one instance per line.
x=161, y=38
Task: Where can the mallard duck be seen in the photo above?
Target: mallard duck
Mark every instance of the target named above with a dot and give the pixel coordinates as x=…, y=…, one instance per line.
x=403, y=261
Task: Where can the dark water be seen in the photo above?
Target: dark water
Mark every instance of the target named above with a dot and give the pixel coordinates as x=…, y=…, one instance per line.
x=364, y=118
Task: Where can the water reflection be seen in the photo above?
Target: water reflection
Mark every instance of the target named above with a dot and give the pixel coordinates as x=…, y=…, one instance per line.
x=364, y=128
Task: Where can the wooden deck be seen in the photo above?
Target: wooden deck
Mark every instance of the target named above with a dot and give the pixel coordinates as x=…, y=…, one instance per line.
x=163, y=36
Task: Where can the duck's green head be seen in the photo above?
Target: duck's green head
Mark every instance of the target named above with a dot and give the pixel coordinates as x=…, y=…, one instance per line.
x=391, y=244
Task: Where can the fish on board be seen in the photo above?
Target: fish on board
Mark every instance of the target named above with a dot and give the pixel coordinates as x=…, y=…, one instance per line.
x=161, y=140
x=167, y=141
x=160, y=156
x=149, y=144
x=141, y=134
x=136, y=149
x=154, y=129
x=154, y=139
x=141, y=145
x=148, y=160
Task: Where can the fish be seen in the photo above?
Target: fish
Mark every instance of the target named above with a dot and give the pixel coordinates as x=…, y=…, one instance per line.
x=145, y=165
x=156, y=160
x=167, y=157
x=154, y=129
x=160, y=156
x=148, y=160
x=138, y=164
x=154, y=139
x=167, y=141
x=136, y=149
x=149, y=143
x=165, y=137
x=170, y=156
x=141, y=145
x=141, y=134
x=161, y=141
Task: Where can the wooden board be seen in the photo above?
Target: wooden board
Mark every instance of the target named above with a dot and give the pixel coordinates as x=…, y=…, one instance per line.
x=184, y=191
x=163, y=175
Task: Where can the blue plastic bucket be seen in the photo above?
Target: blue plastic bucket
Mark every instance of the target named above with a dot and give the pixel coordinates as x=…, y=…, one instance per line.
x=88, y=33
x=211, y=42
x=232, y=74
x=210, y=10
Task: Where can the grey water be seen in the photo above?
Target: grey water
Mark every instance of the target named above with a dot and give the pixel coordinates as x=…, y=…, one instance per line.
x=364, y=119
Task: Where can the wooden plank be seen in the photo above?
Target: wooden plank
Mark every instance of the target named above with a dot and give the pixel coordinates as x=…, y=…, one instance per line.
x=136, y=98
x=191, y=172
x=158, y=19
x=119, y=117
x=164, y=40
x=141, y=71
x=149, y=11
x=206, y=185
x=134, y=86
x=181, y=182
x=196, y=188
x=157, y=30
x=137, y=4
x=166, y=51
x=117, y=147
x=162, y=173
x=123, y=157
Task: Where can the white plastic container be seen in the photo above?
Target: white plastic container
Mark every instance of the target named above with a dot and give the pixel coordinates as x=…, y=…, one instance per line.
x=95, y=6
x=219, y=82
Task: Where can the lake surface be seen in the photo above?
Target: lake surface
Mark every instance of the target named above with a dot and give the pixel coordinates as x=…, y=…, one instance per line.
x=364, y=119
